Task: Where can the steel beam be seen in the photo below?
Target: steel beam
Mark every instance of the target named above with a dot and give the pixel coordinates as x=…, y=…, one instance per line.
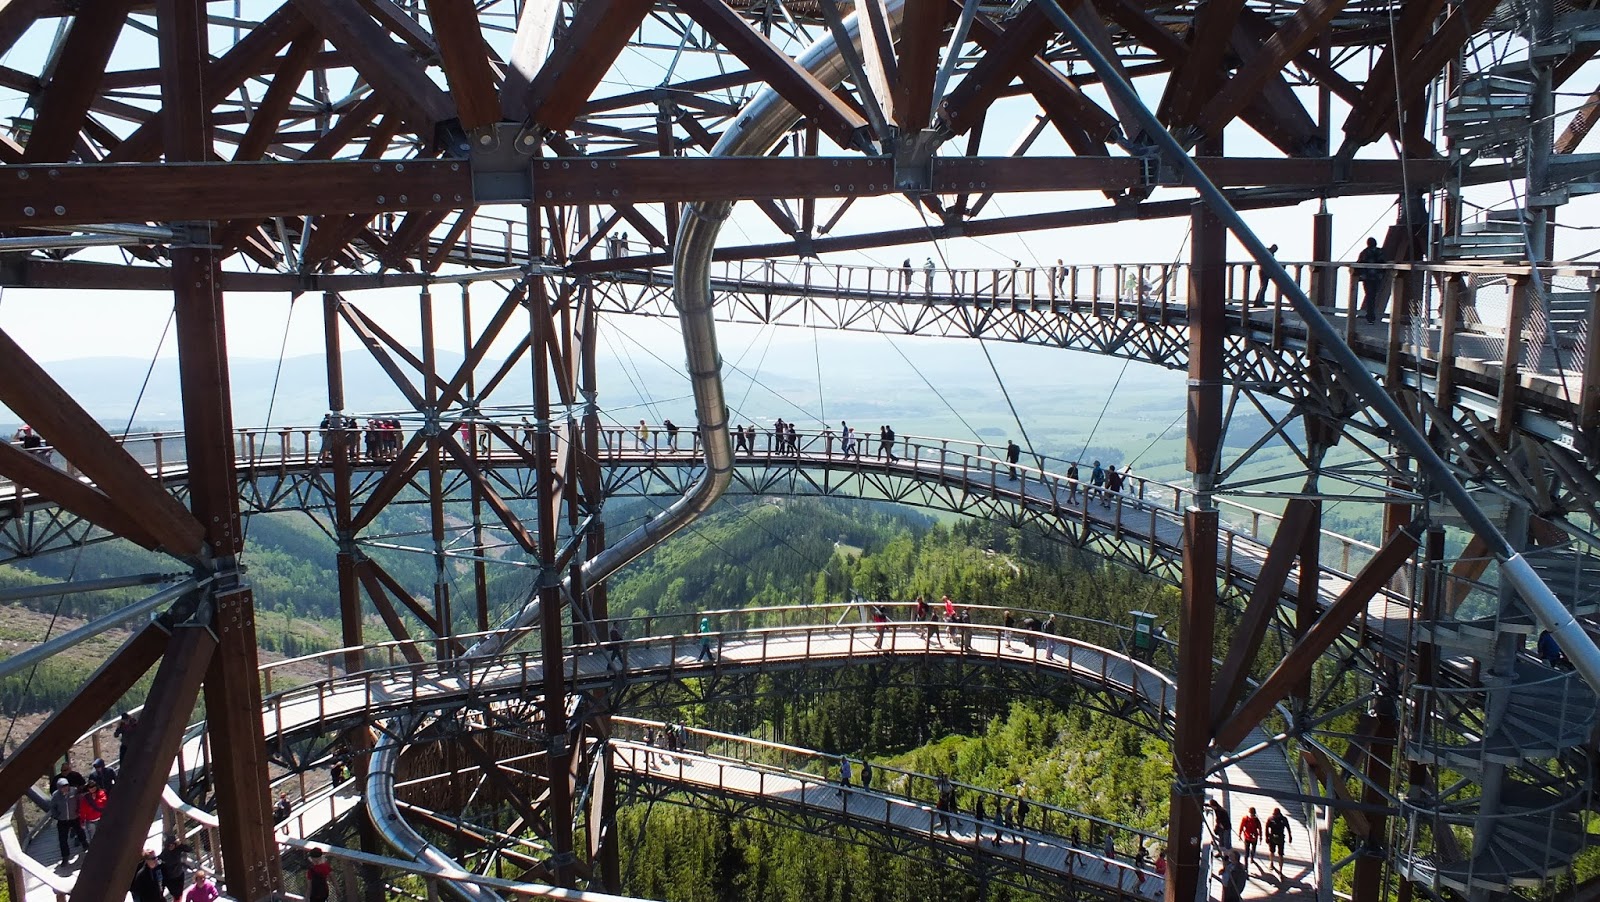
x=1291, y=38
x=28, y=471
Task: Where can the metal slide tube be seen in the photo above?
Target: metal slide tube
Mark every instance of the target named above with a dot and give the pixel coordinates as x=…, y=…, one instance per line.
x=1546, y=607
x=759, y=126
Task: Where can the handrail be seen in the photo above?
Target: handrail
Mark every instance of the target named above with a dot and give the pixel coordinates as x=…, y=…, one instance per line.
x=827, y=760
x=1119, y=870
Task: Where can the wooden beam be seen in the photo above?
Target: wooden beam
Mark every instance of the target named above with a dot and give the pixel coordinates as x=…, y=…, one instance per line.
x=921, y=32
x=812, y=98
x=224, y=75
x=466, y=61
x=166, y=714
x=394, y=74
x=1005, y=54
x=598, y=32
x=1298, y=516
x=41, y=402
x=1196, y=78
x=501, y=509
x=1328, y=628
x=1291, y=38
x=17, y=16
x=417, y=609
x=156, y=192
x=82, y=60
x=86, y=501
x=110, y=682
x=1375, y=112
x=391, y=617
x=877, y=55
x=536, y=29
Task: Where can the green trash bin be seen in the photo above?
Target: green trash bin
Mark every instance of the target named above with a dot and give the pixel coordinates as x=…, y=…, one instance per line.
x=1144, y=632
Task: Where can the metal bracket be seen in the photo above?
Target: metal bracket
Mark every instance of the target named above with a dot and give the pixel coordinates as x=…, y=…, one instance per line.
x=913, y=161
x=499, y=154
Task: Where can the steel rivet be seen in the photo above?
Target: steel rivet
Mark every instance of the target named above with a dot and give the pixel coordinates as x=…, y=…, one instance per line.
x=399, y=167
x=436, y=198
x=23, y=175
x=60, y=210
x=376, y=168
x=485, y=140
x=402, y=198
x=615, y=192
x=27, y=211
x=380, y=199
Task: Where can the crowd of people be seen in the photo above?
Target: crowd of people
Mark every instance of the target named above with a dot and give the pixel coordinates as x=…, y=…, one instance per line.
x=382, y=438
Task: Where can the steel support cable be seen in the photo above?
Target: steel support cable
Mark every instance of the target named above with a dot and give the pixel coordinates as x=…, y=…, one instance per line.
x=762, y=123
x=36, y=656
x=1541, y=601
x=982, y=345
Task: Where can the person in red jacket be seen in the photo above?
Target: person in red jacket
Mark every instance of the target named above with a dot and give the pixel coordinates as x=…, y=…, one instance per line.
x=91, y=805
x=1250, y=832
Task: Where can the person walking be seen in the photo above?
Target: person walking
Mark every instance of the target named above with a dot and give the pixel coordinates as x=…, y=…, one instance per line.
x=1278, y=835
x=64, y=811
x=174, y=866
x=1072, y=483
x=127, y=724
x=201, y=889
x=1261, y=293
x=1049, y=630
x=844, y=775
x=1141, y=863
x=1234, y=877
x=1370, y=274
x=91, y=806
x=905, y=277
x=1113, y=487
x=886, y=443
x=866, y=773
x=1109, y=848
x=705, y=641
x=1005, y=634
x=146, y=885
x=979, y=815
x=1224, y=824
x=739, y=443
x=1097, y=480
x=672, y=434
x=642, y=434
x=928, y=268
x=947, y=801
x=1250, y=835
x=1022, y=809
x=104, y=774
x=318, y=870
x=1013, y=454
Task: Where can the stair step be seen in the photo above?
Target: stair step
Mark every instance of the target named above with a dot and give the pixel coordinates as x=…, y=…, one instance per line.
x=1498, y=82
x=1492, y=227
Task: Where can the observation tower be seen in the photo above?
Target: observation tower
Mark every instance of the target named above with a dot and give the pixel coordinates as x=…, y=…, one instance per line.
x=498, y=177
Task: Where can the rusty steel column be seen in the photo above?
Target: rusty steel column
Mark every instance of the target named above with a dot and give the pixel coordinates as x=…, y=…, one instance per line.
x=1192, y=721
x=558, y=755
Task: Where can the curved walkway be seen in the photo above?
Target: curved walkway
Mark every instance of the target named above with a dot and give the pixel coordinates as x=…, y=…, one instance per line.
x=364, y=697
x=1142, y=527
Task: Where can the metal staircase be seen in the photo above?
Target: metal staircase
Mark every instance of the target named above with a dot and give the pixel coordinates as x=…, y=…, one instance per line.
x=1514, y=731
